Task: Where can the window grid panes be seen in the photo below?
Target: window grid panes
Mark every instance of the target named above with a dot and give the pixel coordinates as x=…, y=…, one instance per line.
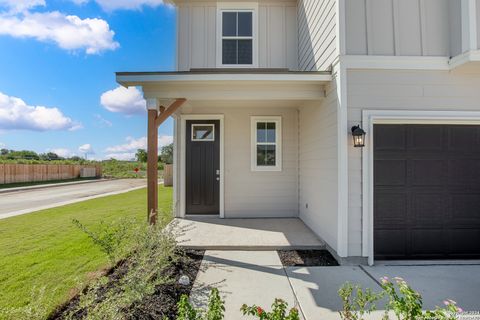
x=266, y=144
x=237, y=37
x=203, y=132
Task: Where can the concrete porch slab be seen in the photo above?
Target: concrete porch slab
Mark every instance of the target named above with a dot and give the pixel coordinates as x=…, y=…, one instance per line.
x=213, y=233
x=242, y=277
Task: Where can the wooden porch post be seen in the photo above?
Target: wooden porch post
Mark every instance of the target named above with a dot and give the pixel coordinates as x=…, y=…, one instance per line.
x=155, y=119
x=152, y=161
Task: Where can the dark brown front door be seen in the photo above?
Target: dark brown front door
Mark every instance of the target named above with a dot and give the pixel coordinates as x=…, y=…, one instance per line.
x=202, y=166
x=427, y=191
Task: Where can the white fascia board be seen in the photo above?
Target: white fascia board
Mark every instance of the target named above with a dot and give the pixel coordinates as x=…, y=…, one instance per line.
x=133, y=80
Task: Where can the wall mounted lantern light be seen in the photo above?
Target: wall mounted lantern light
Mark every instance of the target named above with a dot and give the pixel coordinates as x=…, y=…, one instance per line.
x=358, y=136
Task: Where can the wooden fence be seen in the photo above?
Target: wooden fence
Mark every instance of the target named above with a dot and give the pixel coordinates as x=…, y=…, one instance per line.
x=15, y=173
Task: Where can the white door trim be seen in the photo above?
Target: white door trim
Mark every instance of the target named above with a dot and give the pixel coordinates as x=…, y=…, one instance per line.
x=183, y=177
x=371, y=117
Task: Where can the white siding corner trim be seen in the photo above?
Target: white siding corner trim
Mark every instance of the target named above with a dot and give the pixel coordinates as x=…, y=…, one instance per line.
x=278, y=142
x=371, y=117
x=183, y=119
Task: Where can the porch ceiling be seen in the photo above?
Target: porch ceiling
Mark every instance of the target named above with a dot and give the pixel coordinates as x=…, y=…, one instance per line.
x=228, y=85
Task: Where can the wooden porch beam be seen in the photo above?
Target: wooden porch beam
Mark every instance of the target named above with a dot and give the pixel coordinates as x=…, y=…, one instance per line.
x=169, y=111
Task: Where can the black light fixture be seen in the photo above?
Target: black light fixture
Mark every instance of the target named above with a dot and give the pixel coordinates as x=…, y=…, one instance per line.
x=358, y=136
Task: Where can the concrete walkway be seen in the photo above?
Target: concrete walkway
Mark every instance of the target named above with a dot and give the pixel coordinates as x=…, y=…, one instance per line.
x=259, y=277
x=30, y=200
x=213, y=233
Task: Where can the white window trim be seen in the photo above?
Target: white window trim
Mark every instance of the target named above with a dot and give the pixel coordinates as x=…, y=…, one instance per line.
x=203, y=125
x=238, y=7
x=371, y=117
x=278, y=142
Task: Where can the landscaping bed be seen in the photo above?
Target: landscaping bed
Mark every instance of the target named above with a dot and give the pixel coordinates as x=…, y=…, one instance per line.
x=306, y=258
x=162, y=303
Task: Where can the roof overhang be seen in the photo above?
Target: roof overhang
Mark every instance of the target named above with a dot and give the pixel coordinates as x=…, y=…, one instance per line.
x=227, y=85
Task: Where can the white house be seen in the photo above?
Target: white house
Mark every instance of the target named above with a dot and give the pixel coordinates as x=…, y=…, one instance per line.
x=266, y=95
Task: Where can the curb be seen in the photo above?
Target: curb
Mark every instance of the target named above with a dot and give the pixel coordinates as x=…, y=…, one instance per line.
x=51, y=185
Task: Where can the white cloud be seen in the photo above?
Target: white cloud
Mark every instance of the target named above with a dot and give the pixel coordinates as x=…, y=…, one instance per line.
x=111, y=5
x=123, y=100
x=16, y=114
x=141, y=143
x=86, y=149
x=101, y=121
x=21, y=5
x=126, y=156
x=2, y=145
x=69, y=32
x=62, y=152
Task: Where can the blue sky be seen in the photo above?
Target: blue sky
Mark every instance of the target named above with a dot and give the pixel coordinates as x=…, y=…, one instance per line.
x=63, y=54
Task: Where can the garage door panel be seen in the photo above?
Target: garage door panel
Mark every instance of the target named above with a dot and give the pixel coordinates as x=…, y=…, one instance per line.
x=428, y=209
x=428, y=172
x=390, y=208
x=462, y=138
x=426, y=138
x=390, y=243
x=390, y=138
x=427, y=242
x=427, y=191
x=464, y=242
x=465, y=207
x=390, y=172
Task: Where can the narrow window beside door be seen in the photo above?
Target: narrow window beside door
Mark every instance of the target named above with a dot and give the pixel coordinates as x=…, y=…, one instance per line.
x=266, y=144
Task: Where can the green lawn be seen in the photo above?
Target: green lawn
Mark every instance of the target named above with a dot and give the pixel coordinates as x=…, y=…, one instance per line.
x=44, y=249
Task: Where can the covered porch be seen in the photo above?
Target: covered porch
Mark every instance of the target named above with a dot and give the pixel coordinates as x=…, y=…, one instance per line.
x=232, y=98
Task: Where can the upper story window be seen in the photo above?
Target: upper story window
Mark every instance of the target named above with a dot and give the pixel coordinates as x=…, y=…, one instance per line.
x=236, y=36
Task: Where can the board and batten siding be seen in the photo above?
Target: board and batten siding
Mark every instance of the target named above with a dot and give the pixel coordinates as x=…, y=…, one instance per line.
x=277, y=35
x=250, y=194
x=318, y=167
x=316, y=34
x=403, y=27
x=398, y=90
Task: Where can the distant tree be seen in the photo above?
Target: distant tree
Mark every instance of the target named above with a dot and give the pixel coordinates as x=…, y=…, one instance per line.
x=4, y=152
x=141, y=155
x=166, y=154
x=50, y=156
x=76, y=159
x=24, y=154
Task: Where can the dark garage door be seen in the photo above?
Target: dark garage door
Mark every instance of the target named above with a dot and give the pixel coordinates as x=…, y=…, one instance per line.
x=427, y=191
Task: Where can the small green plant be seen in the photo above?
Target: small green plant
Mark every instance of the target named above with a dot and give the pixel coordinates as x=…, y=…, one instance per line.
x=279, y=311
x=401, y=300
x=407, y=303
x=111, y=238
x=357, y=302
x=215, y=308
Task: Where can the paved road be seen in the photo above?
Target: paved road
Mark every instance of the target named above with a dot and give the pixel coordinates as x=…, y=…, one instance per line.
x=21, y=202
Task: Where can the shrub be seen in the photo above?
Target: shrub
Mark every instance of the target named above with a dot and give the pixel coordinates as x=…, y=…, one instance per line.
x=279, y=311
x=151, y=250
x=401, y=300
x=215, y=308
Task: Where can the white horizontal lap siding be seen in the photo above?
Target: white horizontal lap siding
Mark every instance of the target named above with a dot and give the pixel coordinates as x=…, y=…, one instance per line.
x=277, y=35
x=258, y=194
x=318, y=167
x=401, y=27
x=398, y=90
x=316, y=34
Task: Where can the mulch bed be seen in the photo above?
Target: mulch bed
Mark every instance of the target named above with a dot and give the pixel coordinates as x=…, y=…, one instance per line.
x=306, y=258
x=163, y=303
